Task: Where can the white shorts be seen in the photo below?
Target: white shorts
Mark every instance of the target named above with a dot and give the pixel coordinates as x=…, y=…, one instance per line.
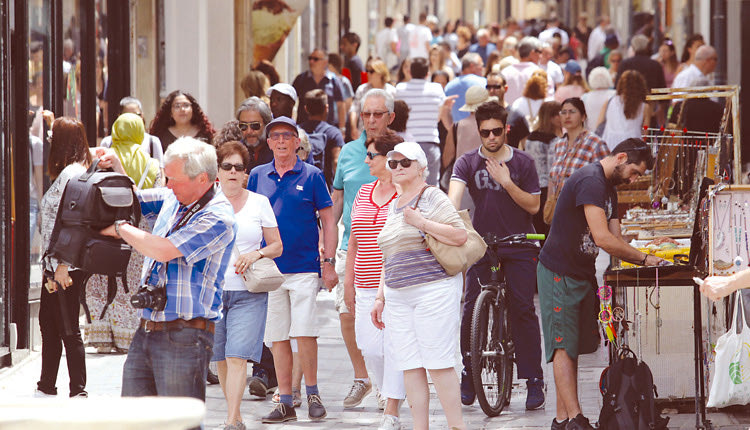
x=292, y=308
x=423, y=324
x=339, y=288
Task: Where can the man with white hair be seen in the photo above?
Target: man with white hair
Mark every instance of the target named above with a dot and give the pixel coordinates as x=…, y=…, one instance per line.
x=705, y=64
x=186, y=258
x=483, y=47
x=641, y=61
x=554, y=71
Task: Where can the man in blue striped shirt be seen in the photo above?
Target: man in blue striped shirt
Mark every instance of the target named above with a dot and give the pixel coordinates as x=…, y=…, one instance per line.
x=187, y=254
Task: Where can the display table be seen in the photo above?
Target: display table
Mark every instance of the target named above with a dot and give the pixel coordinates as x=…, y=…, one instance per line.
x=111, y=413
x=677, y=276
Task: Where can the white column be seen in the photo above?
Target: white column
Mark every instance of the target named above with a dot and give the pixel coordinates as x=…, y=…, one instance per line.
x=199, y=53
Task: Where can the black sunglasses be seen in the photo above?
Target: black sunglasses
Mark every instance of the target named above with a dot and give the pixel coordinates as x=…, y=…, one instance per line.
x=255, y=125
x=494, y=87
x=496, y=131
x=372, y=155
x=404, y=162
x=228, y=166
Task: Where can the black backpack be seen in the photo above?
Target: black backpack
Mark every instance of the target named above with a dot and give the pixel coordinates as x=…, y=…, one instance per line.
x=91, y=202
x=629, y=390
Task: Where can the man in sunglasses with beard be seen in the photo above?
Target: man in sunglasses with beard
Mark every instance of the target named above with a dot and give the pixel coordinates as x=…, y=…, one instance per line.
x=585, y=220
x=253, y=115
x=503, y=184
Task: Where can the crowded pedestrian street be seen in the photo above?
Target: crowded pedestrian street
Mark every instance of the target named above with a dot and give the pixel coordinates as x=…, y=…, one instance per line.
x=386, y=214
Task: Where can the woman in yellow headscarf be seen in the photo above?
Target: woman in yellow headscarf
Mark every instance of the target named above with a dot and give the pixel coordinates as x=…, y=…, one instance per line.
x=115, y=330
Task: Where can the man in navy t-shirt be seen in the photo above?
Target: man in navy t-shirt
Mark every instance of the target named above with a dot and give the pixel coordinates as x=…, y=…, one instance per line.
x=504, y=186
x=585, y=220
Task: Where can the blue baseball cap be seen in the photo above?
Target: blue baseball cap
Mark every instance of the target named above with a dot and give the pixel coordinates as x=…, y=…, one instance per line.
x=572, y=67
x=282, y=120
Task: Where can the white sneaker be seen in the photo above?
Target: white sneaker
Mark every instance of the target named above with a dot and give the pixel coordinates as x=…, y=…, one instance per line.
x=41, y=394
x=389, y=422
x=381, y=401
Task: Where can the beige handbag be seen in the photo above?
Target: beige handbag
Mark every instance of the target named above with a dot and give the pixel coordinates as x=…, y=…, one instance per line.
x=456, y=259
x=263, y=276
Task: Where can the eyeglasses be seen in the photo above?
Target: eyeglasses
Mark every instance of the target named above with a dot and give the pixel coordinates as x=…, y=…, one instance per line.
x=313, y=58
x=494, y=87
x=370, y=71
x=255, y=125
x=278, y=135
x=404, y=162
x=496, y=131
x=228, y=166
x=372, y=155
x=376, y=115
x=181, y=106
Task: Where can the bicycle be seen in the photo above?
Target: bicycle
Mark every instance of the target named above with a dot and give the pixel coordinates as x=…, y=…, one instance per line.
x=492, y=352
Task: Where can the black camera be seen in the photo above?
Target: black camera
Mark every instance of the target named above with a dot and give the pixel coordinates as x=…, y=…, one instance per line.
x=150, y=297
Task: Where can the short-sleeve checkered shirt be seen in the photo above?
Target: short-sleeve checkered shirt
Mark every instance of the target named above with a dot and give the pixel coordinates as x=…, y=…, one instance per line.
x=586, y=149
x=194, y=281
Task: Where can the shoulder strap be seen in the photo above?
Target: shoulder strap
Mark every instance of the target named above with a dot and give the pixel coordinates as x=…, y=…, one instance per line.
x=144, y=175
x=420, y=196
x=152, y=142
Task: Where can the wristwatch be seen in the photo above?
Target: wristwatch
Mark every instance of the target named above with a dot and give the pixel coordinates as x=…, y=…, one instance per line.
x=118, y=223
x=331, y=260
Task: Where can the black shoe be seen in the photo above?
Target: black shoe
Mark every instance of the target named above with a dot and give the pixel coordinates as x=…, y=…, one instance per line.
x=281, y=413
x=559, y=426
x=258, y=385
x=211, y=378
x=579, y=423
x=315, y=408
x=467, y=388
x=535, y=393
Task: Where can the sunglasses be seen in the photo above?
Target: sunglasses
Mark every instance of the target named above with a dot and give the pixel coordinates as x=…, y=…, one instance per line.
x=372, y=155
x=376, y=115
x=286, y=135
x=494, y=87
x=228, y=167
x=255, y=125
x=496, y=131
x=404, y=162
x=312, y=58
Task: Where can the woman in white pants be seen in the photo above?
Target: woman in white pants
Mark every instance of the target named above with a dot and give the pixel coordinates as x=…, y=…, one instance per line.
x=364, y=263
x=421, y=300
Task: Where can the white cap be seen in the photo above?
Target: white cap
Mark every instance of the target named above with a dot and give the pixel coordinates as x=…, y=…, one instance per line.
x=410, y=150
x=285, y=89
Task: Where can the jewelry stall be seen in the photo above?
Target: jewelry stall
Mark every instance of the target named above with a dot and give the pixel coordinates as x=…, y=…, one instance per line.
x=669, y=214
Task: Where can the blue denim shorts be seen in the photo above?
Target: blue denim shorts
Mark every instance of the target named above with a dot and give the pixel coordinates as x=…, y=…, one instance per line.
x=240, y=331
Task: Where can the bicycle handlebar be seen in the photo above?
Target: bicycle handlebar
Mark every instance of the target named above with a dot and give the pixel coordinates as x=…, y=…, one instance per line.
x=492, y=239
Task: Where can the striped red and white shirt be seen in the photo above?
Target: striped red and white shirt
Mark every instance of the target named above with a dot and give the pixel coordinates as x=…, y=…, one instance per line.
x=367, y=220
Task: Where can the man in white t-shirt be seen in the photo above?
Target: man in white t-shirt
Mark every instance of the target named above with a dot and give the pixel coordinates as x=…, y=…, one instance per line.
x=404, y=32
x=386, y=44
x=553, y=27
x=554, y=71
x=516, y=75
x=705, y=64
x=420, y=38
x=597, y=37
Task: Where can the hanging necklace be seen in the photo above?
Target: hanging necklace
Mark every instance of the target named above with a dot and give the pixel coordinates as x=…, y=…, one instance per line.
x=744, y=223
x=738, y=237
x=720, y=236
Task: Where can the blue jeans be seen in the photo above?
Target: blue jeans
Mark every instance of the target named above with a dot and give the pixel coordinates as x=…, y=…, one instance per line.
x=519, y=266
x=168, y=363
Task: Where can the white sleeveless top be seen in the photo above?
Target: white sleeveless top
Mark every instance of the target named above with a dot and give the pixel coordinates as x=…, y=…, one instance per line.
x=618, y=127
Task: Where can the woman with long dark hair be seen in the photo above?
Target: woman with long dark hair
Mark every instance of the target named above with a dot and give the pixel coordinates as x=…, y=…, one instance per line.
x=59, y=308
x=667, y=57
x=181, y=115
x=688, y=52
x=627, y=111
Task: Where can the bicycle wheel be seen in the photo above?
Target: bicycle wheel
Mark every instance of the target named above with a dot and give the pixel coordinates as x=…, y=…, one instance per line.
x=491, y=365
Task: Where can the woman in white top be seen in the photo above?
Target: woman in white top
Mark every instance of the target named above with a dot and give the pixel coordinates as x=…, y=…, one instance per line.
x=379, y=77
x=534, y=94
x=627, y=112
x=601, y=84
x=239, y=333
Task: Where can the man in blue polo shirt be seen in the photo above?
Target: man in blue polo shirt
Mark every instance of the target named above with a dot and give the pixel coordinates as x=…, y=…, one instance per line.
x=297, y=191
x=472, y=69
x=503, y=183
